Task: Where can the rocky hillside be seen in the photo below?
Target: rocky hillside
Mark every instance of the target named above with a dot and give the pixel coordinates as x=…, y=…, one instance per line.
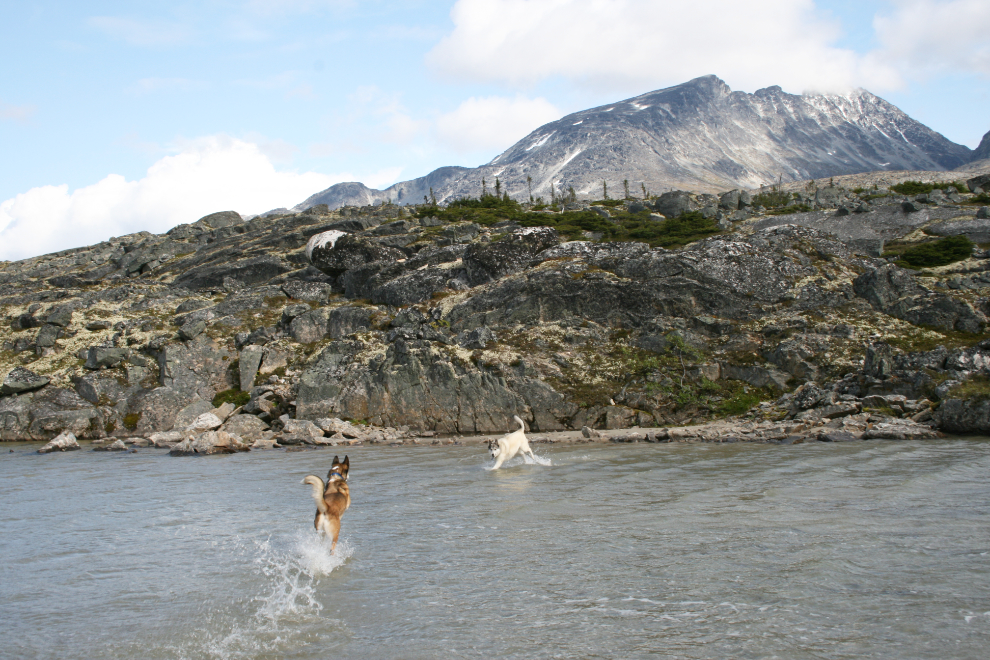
x=451, y=319
x=697, y=136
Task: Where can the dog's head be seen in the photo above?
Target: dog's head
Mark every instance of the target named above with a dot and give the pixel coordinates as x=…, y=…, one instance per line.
x=338, y=469
x=494, y=448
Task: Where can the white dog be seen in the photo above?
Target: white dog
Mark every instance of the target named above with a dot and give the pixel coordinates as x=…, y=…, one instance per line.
x=510, y=444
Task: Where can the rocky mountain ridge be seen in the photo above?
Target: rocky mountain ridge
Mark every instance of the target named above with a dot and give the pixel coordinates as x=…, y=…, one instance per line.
x=381, y=323
x=699, y=135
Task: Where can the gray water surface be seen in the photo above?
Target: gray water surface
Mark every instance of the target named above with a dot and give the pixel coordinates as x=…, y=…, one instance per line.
x=873, y=549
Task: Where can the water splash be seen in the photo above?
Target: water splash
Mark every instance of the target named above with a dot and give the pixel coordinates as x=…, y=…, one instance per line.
x=291, y=569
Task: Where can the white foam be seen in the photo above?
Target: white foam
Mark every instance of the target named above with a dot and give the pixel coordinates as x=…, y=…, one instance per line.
x=321, y=240
x=292, y=568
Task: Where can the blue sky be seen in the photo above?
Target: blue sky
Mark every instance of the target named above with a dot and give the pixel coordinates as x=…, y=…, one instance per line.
x=122, y=116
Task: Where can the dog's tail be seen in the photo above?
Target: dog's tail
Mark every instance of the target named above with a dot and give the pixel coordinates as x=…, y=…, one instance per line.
x=522, y=426
x=318, y=487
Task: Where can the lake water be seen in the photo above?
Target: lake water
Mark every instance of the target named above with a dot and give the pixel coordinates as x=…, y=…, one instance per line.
x=872, y=549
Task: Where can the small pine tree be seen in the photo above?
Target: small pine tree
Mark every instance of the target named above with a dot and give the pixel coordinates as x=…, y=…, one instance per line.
x=571, y=195
x=433, y=198
x=529, y=185
x=643, y=186
x=625, y=185
x=604, y=189
x=498, y=187
x=484, y=187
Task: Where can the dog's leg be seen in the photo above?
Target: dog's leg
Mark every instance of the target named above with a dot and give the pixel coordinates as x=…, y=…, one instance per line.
x=333, y=530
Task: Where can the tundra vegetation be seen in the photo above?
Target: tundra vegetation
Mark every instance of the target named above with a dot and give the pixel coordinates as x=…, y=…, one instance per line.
x=819, y=309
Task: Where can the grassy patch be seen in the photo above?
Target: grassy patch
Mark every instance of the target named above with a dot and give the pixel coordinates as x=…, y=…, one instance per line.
x=937, y=253
x=234, y=396
x=976, y=388
x=920, y=339
x=787, y=210
x=982, y=199
x=572, y=225
x=131, y=421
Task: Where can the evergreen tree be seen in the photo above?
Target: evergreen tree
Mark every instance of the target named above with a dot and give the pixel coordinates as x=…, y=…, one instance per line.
x=604, y=189
x=498, y=187
x=484, y=187
x=625, y=184
x=529, y=185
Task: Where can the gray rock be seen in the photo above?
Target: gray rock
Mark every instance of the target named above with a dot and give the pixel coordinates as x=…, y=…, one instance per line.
x=221, y=219
x=512, y=253
x=983, y=213
x=674, y=203
x=61, y=317
x=977, y=230
x=335, y=252
x=105, y=356
x=310, y=326
x=210, y=442
x=205, y=422
x=247, y=427
x=979, y=184
x=309, y=291
x=837, y=436
x=188, y=414
x=47, y=335
x=893, y=291
x=250, y=361
x=116, y=445
x=20, y=380
x=478, y=338
x=191, y=330
x=65, y=441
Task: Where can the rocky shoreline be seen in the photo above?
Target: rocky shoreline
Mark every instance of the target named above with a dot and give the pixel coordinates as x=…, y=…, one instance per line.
x=388, y=324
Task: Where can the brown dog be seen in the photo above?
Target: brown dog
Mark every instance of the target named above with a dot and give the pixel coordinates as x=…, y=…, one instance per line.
x=331, y=499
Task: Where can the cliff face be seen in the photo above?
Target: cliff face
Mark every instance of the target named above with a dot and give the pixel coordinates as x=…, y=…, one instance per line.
x=699, y=136
x=452, y=320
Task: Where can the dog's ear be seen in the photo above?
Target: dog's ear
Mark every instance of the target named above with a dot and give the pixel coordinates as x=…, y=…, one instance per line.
x=336, y=460
x=346, y=463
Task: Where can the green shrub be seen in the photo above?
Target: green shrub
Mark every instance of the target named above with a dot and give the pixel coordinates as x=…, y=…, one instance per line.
x=234, y=396
x=959, y=186
x=981, y=199
x=773, y=199
x=787, y=210
x=938, y=253
x=912, y=188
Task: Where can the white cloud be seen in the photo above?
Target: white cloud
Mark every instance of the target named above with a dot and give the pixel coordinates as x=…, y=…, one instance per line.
x=16, y=112
x=208, y=174
x=492, y=122
x=928, y=37
x=641, y=44
x=140, y=32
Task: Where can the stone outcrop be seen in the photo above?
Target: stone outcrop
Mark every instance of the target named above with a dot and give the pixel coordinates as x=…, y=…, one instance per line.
x=327, y=328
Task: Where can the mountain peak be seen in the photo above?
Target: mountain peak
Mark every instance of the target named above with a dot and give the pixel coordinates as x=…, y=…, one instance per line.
x=699, y=135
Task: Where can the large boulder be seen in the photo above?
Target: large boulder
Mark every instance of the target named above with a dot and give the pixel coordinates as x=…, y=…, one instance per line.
x=486, y=262
x=64, y=442
x=335, y=252
x=676, y=202
x=54, y=410
x=22, y=380
x=249, y=363
x=249, y=271
x=895, y=292
x=979, y=184
x=964, y=416
x=220, y=219
x=200, y=367
x=976, y=230
x=211, y=442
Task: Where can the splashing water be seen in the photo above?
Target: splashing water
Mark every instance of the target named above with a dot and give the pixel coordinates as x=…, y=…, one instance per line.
x=291, y=568
x=522, y=459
